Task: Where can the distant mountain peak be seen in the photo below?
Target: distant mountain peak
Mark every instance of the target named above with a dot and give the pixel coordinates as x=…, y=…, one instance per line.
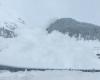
x=74, y=28
x=67, y=19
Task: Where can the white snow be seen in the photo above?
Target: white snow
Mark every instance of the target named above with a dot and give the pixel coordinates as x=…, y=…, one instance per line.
x=35, y=48
x=49, y=75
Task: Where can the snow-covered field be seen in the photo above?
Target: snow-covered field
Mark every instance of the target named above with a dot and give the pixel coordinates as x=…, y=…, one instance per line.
x=49, y=75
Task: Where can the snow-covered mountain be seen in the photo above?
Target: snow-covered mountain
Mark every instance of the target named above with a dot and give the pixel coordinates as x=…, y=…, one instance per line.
x=65, y=43
x=76, y=29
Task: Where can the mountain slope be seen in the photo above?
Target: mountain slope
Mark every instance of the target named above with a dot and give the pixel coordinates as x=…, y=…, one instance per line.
x=76, y=29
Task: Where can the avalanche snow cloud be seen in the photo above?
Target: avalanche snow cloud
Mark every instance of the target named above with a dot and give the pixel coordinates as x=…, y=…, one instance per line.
x=39, y=46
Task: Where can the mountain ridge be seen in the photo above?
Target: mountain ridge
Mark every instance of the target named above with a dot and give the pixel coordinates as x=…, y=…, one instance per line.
x=74, y=28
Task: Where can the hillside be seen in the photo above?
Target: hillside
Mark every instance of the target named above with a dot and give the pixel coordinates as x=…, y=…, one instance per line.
x=77, y=29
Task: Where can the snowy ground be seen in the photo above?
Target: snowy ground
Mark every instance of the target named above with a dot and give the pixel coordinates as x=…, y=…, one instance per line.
x=49, y=75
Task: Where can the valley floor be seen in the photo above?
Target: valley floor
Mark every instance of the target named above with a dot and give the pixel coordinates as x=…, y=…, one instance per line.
x=50, y=75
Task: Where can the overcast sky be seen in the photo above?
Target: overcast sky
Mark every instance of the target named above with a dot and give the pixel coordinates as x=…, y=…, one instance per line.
x=41, y=11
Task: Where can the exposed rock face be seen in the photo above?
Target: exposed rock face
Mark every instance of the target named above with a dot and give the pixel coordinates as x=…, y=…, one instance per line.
x=7, y=33
x=76, y=29
x=7, y=30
